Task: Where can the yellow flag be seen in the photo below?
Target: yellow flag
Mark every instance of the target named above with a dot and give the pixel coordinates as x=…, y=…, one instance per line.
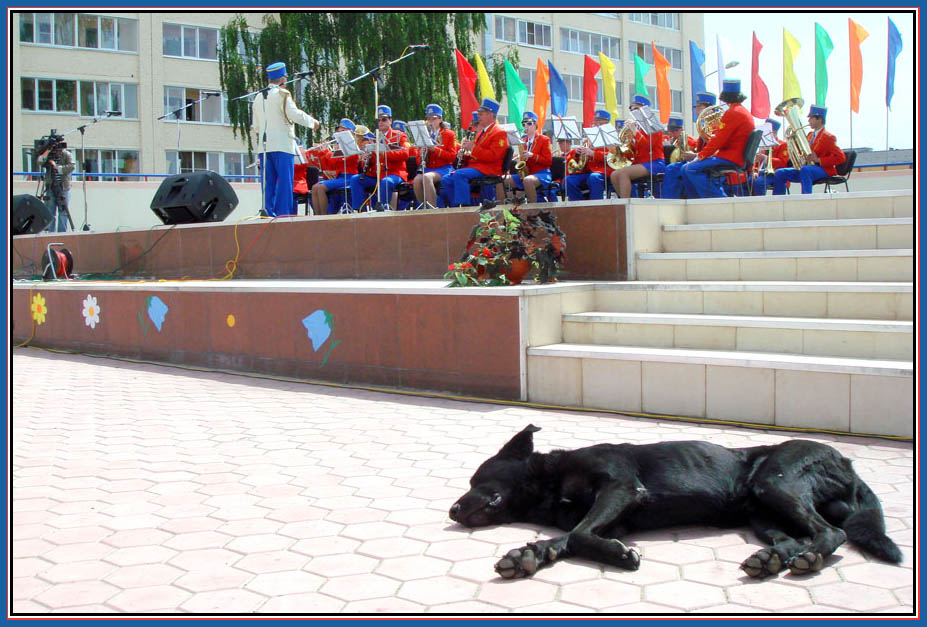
x=790, y=49
x=486, y=90
x=608, y=85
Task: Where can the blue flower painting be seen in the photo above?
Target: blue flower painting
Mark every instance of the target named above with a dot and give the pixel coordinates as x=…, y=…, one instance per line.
x=157, y=311
x=319, y=326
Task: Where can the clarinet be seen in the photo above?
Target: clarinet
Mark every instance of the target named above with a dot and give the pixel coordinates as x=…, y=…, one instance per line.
x=468, y=134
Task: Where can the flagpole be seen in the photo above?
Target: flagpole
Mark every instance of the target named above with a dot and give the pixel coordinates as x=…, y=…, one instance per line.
x=886, y=128
x=851, y=129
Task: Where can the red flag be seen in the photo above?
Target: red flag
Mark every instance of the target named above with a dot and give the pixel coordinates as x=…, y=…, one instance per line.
x=759, y=94
x=590, y=90
x=857, y=35
x=466, y=87
x=664, y=99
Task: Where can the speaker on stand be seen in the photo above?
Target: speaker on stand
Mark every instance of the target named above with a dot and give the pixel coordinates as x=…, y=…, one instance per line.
x=30, y=215
x=202, y=196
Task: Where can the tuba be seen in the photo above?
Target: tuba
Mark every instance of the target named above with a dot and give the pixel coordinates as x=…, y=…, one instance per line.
x=681, y=145
x=709, y=120
x=796, y=139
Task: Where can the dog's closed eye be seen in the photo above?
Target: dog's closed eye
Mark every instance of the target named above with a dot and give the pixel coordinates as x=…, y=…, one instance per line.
x=496, y=500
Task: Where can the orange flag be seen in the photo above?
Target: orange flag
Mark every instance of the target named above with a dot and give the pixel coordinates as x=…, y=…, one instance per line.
x=541, y=94
x=664, y=100
x=857, y=35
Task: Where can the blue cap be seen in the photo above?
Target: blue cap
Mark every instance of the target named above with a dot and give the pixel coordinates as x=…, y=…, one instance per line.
x=276, y=70
x=818, y=111
x=731, y=86
x=619, y=122
x=489, y=105
x=384, y=111
x=705, y=98
x=674, y=124
x=602, y=114
x=346, y=123
x=434, y=110
x=529, y=115
x=775, y=124
x=641, y=100
x=475, y=116
x=399, y=125
x=370, y=136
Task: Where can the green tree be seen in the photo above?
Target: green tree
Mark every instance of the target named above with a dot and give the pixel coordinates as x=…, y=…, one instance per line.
x=337, y=47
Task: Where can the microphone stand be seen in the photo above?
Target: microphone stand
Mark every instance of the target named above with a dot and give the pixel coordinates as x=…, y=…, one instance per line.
x=176, y=114
x=375, y=74
x=82, y=128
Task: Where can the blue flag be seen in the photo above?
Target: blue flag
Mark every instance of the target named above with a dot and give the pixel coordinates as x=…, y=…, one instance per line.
x=558, y=92
x=894, y=49
x=696, y=59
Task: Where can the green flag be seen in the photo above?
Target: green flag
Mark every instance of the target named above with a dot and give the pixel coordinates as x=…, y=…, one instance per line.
x=641, y=68
x=517, y=94
x=823, y=46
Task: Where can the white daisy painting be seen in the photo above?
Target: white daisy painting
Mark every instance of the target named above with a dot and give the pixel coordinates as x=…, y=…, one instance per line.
x=91, y=311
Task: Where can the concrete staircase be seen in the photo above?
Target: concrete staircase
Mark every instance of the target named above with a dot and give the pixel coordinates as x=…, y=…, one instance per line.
x=795, y=312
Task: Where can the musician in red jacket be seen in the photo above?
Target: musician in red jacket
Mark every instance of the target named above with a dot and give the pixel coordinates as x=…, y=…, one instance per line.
x=439, y=159
x=392, y=164
x=826, y=156
x=486, y=152
x=726, y=146
x=335, y=172
x=537, y=156
x=647, y=159
x=780, y=159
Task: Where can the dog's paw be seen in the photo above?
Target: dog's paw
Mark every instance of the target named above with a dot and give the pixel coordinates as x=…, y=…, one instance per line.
x=804, y=563
x=763, y=563
x=518, y=563
x=623, y=556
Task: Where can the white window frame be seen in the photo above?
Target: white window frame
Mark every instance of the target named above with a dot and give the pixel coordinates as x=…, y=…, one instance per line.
x=654, y=19
x=197, y=55
x=569, y=35
x=98, y=158
x=210, y=160
x=673, y=55
x=54, y=82
x=96, y=98
x=75, y=32
x=197, y=110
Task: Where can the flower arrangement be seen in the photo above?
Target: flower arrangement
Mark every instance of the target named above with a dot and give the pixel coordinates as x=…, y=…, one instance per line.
x=505, y=245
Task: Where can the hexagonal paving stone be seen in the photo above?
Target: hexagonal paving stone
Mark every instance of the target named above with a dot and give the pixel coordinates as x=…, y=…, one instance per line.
x=198, y=540
x=216, y=577
x=360, y=587
x=307, y=603
x=880, y=575
x=310, y=529
x=143, y=575
x=149, y=598
x=413, y=567
x=191, y=525
x=388, y=605
x=340, y=565
x=391, y=547
x=372, y=530
x=80, y=593
x=775, y=596
x=225, y=601
x=853, y=596
x=713, y=573
x=76, y=535
x=272, y=561
x=435, y=590
x=328, y=545
x=204, y=559
x=516, y=594
x=686, y=595
x=137, y=537
x=460, y=549
x=288, y=582
x=600, y=593
x=77, y=571
x=676, y=553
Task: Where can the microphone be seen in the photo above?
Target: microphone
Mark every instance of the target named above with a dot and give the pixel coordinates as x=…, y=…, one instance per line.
x=306, y=73
x=212, y=93
x=113, y=112
x=419, y=46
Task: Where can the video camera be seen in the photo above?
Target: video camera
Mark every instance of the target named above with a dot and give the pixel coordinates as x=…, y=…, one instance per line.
x=53, y=142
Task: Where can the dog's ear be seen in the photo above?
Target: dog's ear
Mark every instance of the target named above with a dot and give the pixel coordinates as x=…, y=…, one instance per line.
x=521, y=445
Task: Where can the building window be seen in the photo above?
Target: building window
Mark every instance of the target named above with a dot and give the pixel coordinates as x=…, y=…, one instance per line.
x=574, y=86
x=98, y=98
x=527, y=33
x=212, y=110
x=611, y=15
x=600, y=94
x=225, y=163
x=48, y=95
x=108, y=160
x=645, y=51
x=190, y=42
x=527, y=76
x=79, y=30
x=583, y=42
x=663, y=20
x=675, y=98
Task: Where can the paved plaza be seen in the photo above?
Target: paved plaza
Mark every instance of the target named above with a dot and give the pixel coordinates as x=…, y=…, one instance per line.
x=140, y=488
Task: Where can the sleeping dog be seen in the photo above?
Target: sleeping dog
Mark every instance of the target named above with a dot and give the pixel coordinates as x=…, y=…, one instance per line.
x=800, y=497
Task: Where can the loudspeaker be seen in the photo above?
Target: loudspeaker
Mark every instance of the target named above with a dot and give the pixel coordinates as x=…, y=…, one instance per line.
x=202, y=196
x=30, y=215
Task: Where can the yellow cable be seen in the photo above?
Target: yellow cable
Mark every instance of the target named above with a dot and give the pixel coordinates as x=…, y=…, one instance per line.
x=491, y=401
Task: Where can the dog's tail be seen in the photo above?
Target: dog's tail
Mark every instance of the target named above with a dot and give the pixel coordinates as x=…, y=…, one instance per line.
x=865, y=526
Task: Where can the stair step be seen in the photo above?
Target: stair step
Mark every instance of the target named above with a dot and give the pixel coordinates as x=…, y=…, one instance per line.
x=846, y=234
x=891, y=264
x=815, y=299
x=870, y=339
x=817, y=206
x=800, y=391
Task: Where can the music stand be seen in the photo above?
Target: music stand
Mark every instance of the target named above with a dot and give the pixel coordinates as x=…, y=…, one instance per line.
x=421, y=137
x=566, y=128
x=648, y=122
x=602, y=137
x=347, y=143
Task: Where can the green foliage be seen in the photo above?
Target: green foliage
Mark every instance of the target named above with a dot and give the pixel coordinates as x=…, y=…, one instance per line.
x=340, y=46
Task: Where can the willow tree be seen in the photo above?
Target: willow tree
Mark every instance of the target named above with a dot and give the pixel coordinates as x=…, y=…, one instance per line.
x=338, y=47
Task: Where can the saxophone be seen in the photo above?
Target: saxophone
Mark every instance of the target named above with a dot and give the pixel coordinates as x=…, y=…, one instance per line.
x=521, y=166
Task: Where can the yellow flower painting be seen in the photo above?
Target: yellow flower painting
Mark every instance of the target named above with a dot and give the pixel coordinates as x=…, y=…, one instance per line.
x=38, y=309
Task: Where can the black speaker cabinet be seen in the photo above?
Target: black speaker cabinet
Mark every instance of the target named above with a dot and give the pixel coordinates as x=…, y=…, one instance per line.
x=30, y=215
x=202, y=196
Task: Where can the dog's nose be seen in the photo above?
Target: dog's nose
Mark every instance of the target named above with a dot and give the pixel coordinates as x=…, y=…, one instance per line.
x=455, y=509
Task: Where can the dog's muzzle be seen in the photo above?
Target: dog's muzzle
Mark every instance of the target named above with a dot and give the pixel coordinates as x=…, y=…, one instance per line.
x=454, y=512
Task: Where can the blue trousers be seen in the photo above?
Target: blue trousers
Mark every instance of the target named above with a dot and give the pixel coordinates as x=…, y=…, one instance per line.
x=458, y=185
x=761, y=183
x=594, y=181
x=342, y=182
x=278, y=184
x=58, y=207
x=807, y=175
x=674, y=182
x=361, y=184
x=698, y=178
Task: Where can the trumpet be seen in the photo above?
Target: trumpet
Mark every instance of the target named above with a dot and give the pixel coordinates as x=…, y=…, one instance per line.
x=328, y=144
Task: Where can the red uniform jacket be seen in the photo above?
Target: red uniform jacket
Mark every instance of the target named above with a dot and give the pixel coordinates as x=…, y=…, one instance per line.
x=729, y=140
x=647, y=148
x=300, y=184
x=826, y=148
x=445, y=153
x=541, y=156
x=391, y=161
x=488, y=150
x=339, y=165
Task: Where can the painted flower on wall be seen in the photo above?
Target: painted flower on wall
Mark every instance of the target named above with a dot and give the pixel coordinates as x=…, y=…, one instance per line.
x=91, y=311
x=157, y=311
x=319, y=326
x=38, y=309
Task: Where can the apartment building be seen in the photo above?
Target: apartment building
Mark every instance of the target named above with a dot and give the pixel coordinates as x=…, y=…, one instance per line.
x=565, y=38
x=69, y=69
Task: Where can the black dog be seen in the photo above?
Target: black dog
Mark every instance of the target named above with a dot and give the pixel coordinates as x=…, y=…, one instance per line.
x=801, y=497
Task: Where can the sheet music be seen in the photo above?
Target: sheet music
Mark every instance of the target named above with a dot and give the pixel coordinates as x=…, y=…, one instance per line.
x=769, y=139
x=566, y=128
x=347, y=143
x=513, y=133
x=421, y=136
x=602, y=136
x=647, y=120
